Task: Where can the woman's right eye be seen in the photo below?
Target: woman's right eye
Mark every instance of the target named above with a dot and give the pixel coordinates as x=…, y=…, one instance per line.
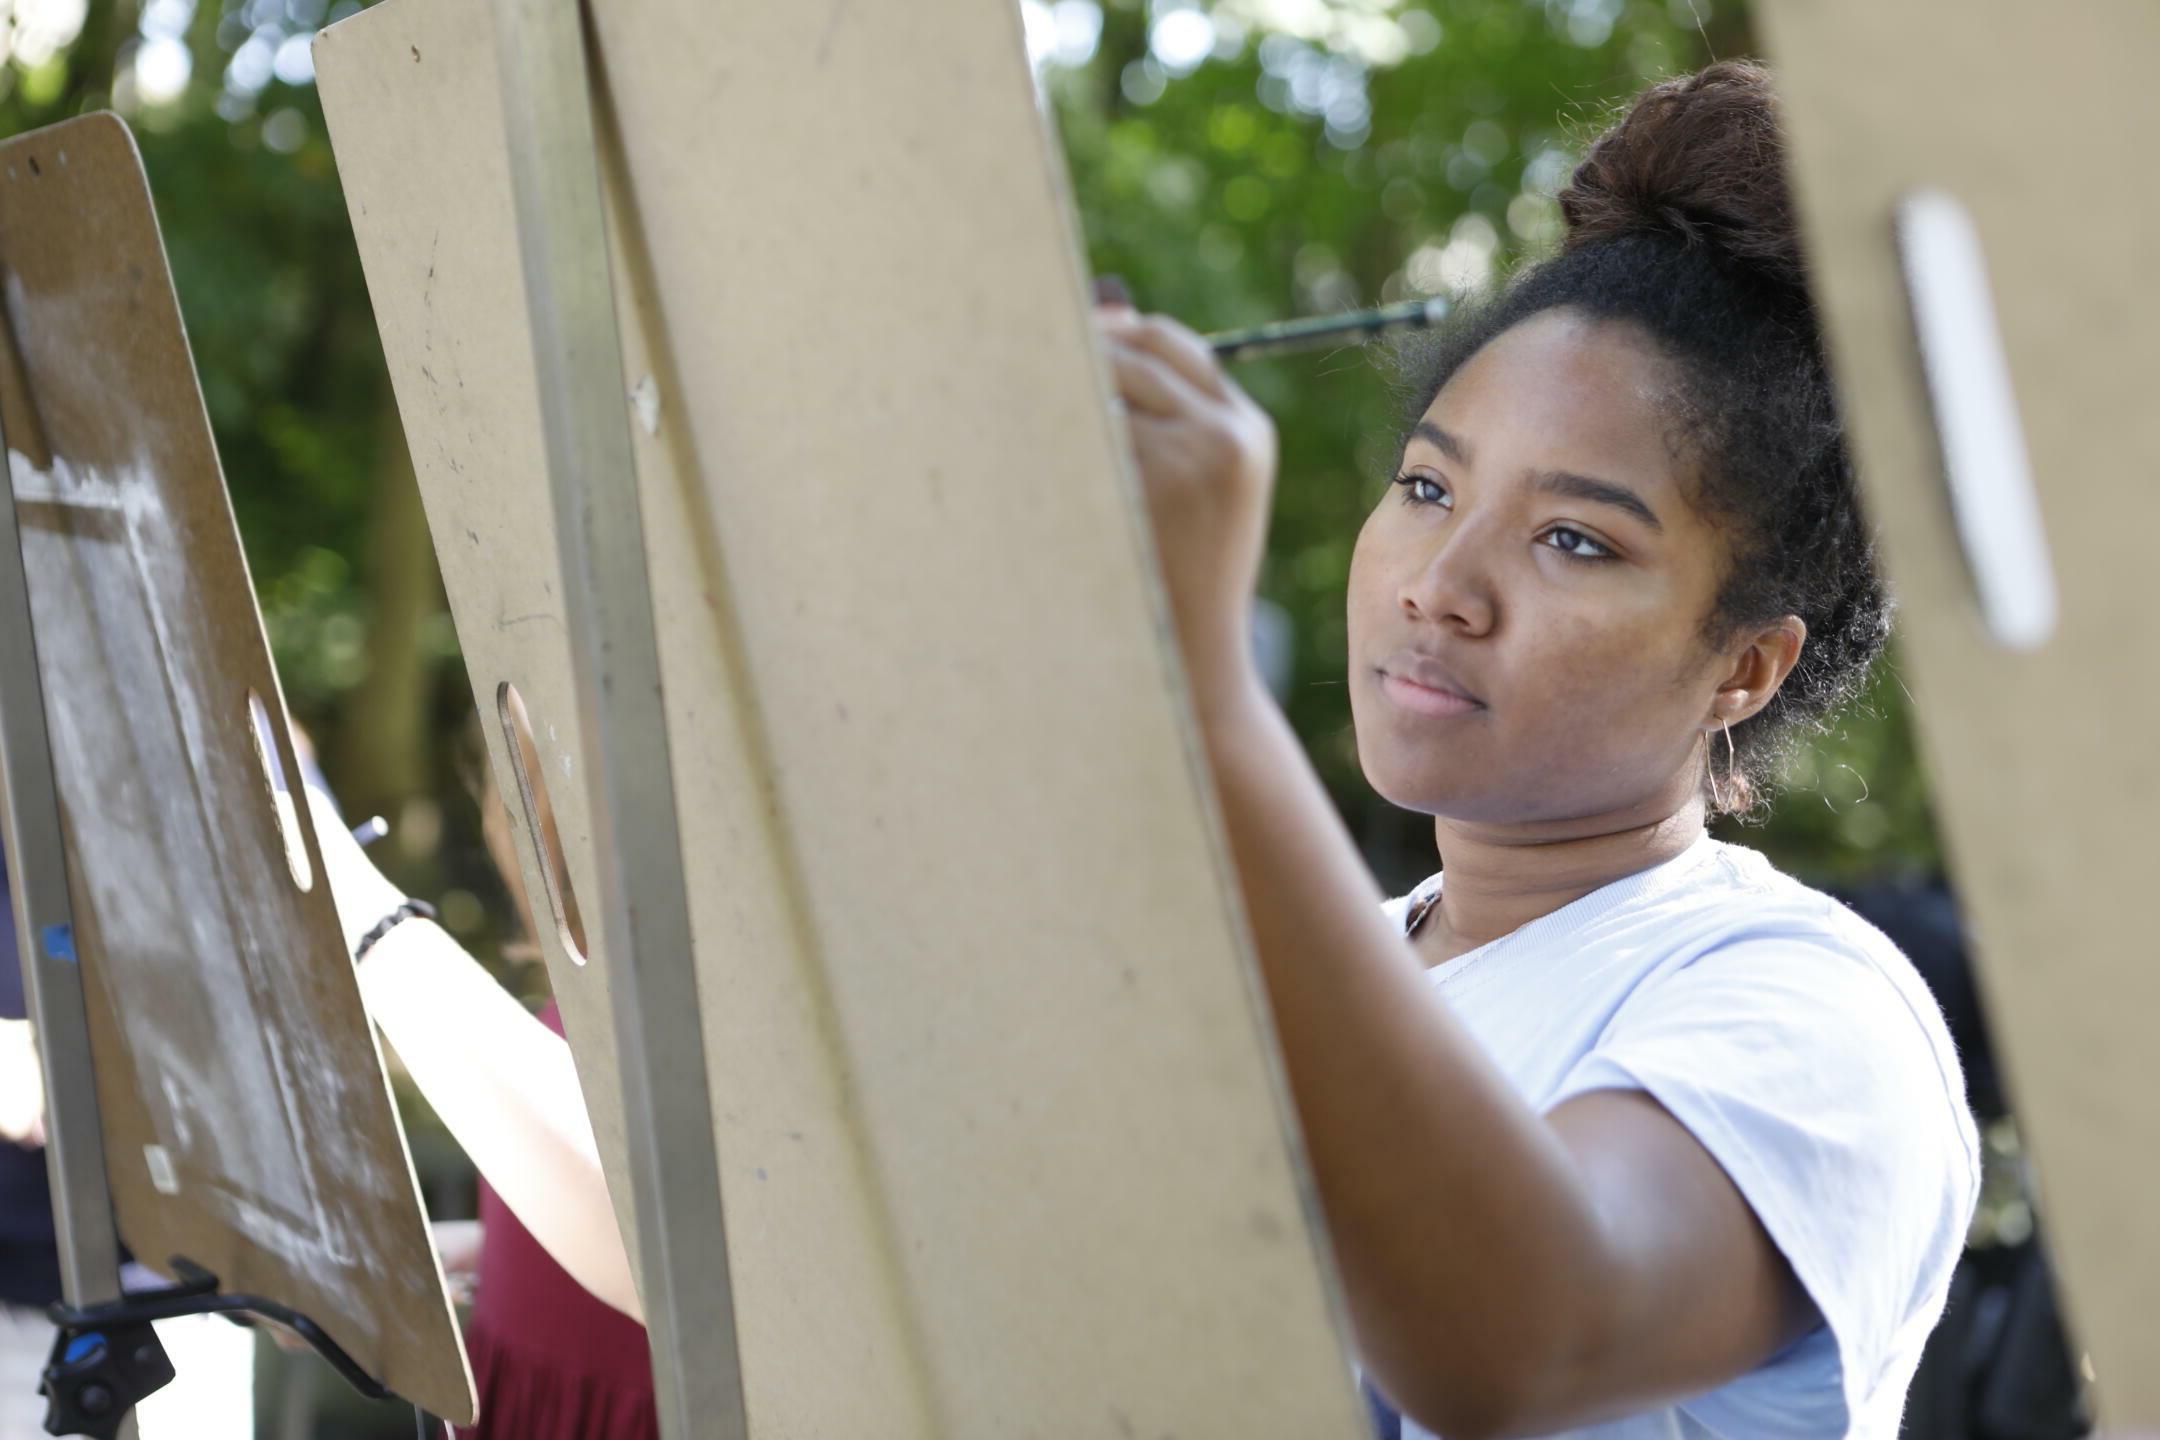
x=1423, y=490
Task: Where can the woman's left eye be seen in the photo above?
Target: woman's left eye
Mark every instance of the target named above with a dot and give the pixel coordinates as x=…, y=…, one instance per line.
x=1423, y=490
x=1575, y=544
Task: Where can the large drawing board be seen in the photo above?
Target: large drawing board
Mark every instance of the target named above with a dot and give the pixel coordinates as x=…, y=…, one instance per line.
x=1004, y=1147
x=247, y=1116
x=2046, y=777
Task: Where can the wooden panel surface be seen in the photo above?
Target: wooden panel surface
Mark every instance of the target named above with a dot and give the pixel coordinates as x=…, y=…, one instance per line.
x=248, y=1120
x=2046, y=778
x=1005, y=1150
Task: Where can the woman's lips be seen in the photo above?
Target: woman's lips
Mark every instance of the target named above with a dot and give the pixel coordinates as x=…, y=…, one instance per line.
x=1424, y=699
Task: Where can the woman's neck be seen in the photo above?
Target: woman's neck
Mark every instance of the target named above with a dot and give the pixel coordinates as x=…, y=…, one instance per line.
x=1499, y=878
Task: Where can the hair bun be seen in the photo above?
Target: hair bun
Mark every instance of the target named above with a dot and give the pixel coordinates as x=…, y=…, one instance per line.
x=1699, y=159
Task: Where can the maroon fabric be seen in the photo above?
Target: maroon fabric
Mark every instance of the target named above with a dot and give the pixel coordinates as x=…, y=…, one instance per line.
x=550, y=1361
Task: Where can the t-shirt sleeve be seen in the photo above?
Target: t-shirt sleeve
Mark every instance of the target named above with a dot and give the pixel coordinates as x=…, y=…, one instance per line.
x=1834, y=1103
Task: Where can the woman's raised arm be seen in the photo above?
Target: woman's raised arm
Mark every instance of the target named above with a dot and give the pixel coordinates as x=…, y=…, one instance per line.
x=502, y=1082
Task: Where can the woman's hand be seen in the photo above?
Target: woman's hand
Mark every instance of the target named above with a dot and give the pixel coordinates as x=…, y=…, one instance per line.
x=1206, y=458
x=362, y=893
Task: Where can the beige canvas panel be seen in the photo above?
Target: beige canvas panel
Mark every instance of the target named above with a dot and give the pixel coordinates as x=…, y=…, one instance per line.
x=2046, y=776
x=248, y=1120
x=1004, y=1148
x=424, y=143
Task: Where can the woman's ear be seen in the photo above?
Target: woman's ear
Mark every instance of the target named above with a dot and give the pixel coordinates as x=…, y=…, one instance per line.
x=1758, y=670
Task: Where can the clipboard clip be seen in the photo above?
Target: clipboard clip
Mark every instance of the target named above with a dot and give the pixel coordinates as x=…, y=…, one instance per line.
x=107, y=1359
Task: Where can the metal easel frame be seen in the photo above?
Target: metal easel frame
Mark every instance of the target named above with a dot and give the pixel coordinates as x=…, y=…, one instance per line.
x=607, y=602
x=83, y=1221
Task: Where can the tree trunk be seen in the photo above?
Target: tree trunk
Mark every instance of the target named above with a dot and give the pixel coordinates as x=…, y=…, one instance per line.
x=383, y=742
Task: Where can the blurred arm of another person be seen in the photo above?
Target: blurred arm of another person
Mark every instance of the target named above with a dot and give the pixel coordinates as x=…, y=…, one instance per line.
x=22, y=1086
x=457, y=1243
x=501, y=1081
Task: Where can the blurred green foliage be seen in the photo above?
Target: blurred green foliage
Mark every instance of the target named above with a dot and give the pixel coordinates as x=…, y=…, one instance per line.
x=1235, y=162
x=277, y=313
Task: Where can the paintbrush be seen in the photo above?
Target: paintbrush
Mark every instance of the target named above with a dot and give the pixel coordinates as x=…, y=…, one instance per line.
x=1317, y=332
x=1353, y=327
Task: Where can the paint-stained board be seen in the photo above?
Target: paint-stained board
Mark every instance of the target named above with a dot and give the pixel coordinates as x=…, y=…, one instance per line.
x=1004, y=1146
x=248, y=1119
x=2046, y=778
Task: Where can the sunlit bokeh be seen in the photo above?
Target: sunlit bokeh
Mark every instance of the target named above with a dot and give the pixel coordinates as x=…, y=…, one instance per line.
x=37, y=30
x=1181, y=37
x=162, y=67
x=1064, y=33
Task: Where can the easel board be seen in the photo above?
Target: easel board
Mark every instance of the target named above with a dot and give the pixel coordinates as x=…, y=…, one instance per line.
x=2044, y=774
x=1004, y=1148
x=247, y=1114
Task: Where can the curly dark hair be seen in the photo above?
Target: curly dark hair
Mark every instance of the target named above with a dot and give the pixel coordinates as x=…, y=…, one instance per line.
x=1680, y=221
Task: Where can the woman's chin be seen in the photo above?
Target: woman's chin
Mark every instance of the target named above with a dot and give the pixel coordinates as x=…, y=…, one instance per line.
x=1420, y=788
x=1468, y=794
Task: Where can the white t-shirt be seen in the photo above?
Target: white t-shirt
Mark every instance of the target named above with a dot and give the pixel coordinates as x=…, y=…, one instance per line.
x=1802, y=1050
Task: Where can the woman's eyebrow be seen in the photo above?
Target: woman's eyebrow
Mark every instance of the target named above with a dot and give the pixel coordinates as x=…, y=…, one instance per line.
x=1552, y=482
x=1446, y=443
x=1598, y=492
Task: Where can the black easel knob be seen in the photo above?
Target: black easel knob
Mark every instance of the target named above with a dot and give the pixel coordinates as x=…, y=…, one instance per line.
x=93, y=1378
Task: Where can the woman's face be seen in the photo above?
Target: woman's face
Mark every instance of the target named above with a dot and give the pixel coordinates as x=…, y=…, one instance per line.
x=1527, y=601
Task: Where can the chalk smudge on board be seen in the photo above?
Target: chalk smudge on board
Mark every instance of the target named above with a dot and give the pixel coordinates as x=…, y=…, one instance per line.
x=202, y=944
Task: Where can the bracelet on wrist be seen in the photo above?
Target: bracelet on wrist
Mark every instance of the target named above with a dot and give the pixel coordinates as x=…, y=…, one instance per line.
x=406, y=911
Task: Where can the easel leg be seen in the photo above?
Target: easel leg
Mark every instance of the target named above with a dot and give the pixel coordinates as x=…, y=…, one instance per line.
x=83, y=1222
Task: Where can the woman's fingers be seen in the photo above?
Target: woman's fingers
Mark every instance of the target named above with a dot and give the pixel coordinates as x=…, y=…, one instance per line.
x=1188, y=423
x=1181, y=349
x=1154, y=436
x=360, y=892
x=1146, y=383
x=1112, y=290
x=1203, y=453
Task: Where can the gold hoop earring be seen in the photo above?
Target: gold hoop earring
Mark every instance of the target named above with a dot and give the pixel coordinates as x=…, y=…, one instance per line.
x=1717, y=797
x=1730, y=761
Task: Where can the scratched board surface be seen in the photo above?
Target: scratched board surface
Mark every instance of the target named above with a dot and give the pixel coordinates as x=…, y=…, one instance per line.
x=248, y=1120
x=1003, y=1147
x=2041, y=762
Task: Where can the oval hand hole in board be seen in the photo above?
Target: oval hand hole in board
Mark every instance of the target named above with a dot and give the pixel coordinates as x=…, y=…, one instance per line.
x=284, y=804
x=540, y=821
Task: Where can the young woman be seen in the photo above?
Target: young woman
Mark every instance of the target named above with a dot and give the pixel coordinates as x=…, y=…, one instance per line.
x=1618, y=1132
x=1634, y=1136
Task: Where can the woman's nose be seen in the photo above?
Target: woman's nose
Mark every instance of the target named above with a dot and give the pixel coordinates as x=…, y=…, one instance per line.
x=1449, y=586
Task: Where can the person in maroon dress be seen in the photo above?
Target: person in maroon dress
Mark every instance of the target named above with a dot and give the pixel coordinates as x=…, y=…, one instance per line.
x=550, y=1361
x=557, y=1347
